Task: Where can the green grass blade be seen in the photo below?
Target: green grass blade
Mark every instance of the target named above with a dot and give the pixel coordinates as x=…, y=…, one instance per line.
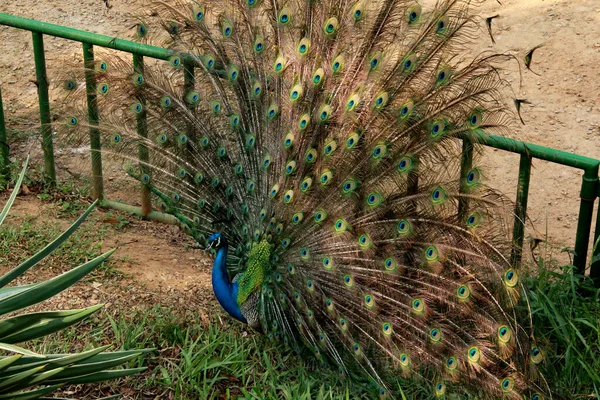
x=10, y=381
x=65, y=360
x=30, y=326
x=37, y=379
x=76, y=371
x=51, y=358
x=9, y=291
x=33, y=394
x=401, y=392
x=6, y=362
x=17, y=349
x=45, y=290
x=104, y=376
x=36, y=258
x=14, y=193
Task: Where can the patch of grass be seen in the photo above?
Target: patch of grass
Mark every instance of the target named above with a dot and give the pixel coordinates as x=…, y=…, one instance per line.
x=200, y=360
x=9, y=175
x=220, y=358
x=22, y=240
x=118, y=220
x=65, y=197
x=566, y=320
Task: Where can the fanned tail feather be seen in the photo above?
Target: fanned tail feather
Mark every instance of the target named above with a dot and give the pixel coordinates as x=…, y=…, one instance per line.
x=331, y=130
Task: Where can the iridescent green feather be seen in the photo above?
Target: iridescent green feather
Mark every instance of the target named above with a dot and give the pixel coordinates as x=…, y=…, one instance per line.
x=257, y=268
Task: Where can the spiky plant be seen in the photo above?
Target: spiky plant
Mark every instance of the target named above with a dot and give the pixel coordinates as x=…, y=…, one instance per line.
x=28, y=375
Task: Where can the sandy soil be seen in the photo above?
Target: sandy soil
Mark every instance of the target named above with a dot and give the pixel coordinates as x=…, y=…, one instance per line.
x=564, y=112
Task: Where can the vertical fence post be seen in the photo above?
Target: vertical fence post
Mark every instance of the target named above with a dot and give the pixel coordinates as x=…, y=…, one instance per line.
x=520, y=210
x=466, y=164
x=142, y=130
x=589, y=191
x=595, y=264
x=42, y=84
x=92, y=105
x=3, y=139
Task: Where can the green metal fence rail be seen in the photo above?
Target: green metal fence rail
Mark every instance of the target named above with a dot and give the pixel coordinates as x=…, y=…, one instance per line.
x=590, y=187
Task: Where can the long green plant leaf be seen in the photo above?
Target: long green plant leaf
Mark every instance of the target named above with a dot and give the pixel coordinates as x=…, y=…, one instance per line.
x=32, y=394
x=13, y=380
x=77, y=370
x=37, y=379
x=31, y=326
x=40, y=255
x=51, y=358
x=16, y=349
x=45, y=290
x=6, y=362
x=86, y=369
x=9, y=291
x=27, y=369
x=14, y=193
x=104, y=376
x=27, y=362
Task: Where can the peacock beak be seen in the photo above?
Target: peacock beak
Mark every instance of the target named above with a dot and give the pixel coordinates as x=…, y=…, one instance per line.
x=209, y=246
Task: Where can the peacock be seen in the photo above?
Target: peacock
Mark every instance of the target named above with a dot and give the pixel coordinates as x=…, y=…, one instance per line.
x=314, y=148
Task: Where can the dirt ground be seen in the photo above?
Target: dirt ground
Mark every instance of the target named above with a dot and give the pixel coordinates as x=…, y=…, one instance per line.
x=155, y=264
x=564, y=112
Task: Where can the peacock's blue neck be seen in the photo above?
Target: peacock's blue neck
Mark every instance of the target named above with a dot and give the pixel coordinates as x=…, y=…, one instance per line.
x=225, y=290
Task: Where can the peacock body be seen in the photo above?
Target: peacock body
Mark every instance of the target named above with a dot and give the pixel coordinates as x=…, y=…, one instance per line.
x=317, y=153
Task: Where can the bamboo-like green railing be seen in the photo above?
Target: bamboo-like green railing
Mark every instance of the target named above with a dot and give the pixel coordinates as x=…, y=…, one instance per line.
x=590, y=187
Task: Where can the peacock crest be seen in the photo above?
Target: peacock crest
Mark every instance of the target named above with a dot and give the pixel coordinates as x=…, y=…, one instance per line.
x=321, y=139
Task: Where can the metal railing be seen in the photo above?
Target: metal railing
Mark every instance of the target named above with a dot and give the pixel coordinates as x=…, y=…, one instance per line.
x=590, y=187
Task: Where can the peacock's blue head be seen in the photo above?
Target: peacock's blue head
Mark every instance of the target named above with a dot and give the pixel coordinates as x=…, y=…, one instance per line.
x=216, y=241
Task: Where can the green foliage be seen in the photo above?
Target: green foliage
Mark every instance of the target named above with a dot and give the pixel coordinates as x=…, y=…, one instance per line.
x=209, y=359
x=29, y=375
x=121, y=221
x=220, y=358
x=16, y=241
x=566, y=319
x=9, y=175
